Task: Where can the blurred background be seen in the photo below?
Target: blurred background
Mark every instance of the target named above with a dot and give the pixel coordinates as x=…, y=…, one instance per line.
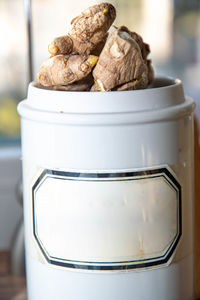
x=171, y=27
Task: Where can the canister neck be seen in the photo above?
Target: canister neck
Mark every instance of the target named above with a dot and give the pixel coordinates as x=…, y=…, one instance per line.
x=163, y=98
x=164, y=92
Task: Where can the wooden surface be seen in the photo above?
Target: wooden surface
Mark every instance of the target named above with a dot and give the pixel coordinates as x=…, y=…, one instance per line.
x=11, y=287
x=197, y=206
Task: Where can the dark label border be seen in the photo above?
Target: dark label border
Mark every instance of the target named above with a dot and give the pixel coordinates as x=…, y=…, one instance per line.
x=110, y=176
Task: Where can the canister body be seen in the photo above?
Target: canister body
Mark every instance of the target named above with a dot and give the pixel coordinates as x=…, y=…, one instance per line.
x=108, y=199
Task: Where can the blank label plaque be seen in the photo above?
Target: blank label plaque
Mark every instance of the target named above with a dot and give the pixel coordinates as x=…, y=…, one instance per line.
x=107, y=221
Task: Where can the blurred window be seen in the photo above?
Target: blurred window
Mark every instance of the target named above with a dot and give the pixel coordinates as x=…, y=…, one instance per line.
x=13, y=67
x=172, y=28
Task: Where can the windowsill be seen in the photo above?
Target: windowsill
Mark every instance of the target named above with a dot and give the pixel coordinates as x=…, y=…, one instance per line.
x=10, y=151
x=10, y=209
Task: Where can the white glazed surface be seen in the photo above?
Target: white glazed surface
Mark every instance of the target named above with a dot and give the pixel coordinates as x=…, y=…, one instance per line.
x=72, y=102
x=171, y=283
x=99, y=140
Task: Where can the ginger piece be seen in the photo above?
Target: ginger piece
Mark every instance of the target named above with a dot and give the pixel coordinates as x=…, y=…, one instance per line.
x=87, y=31
x=120, y=62
x=65, y=69
x=81, y=85
x=61, y=45
x=97, y=87
x=93, y=23
x=67, y=45
x=145, y=49
x=150, y=71
x=135, y=84
x=99, y=47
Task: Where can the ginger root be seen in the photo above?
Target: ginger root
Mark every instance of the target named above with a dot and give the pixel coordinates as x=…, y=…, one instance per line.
x=135, y=84
x=120, y=62
x=87, y=59
x=150, y=71
x=65, y=69
x=61, y=45
x=81, y=85
x=88, y=30
x=145, y=50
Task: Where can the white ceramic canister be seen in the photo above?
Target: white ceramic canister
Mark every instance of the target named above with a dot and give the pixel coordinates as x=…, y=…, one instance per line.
x=108, y=193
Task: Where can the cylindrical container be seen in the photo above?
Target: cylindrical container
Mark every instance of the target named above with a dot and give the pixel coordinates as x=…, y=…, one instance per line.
x=108, y=193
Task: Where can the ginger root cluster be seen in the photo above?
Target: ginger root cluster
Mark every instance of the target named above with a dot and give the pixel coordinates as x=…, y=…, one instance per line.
x=88, y=58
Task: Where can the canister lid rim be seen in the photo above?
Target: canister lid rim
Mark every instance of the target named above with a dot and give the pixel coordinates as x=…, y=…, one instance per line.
x=152, y=99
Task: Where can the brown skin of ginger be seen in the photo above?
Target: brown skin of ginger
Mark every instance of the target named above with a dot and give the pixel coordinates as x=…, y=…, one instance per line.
x=93, y=23
x=66, y=45
x=81, y=85
x=131, y=85
x=120, y=62
x=99, y=47
x=137, y=84
x=95, y=88
x=61, y=45
x=65, y=69
x=88, y=31
x=150, y=71
x=122, y=65
x=145, y=50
